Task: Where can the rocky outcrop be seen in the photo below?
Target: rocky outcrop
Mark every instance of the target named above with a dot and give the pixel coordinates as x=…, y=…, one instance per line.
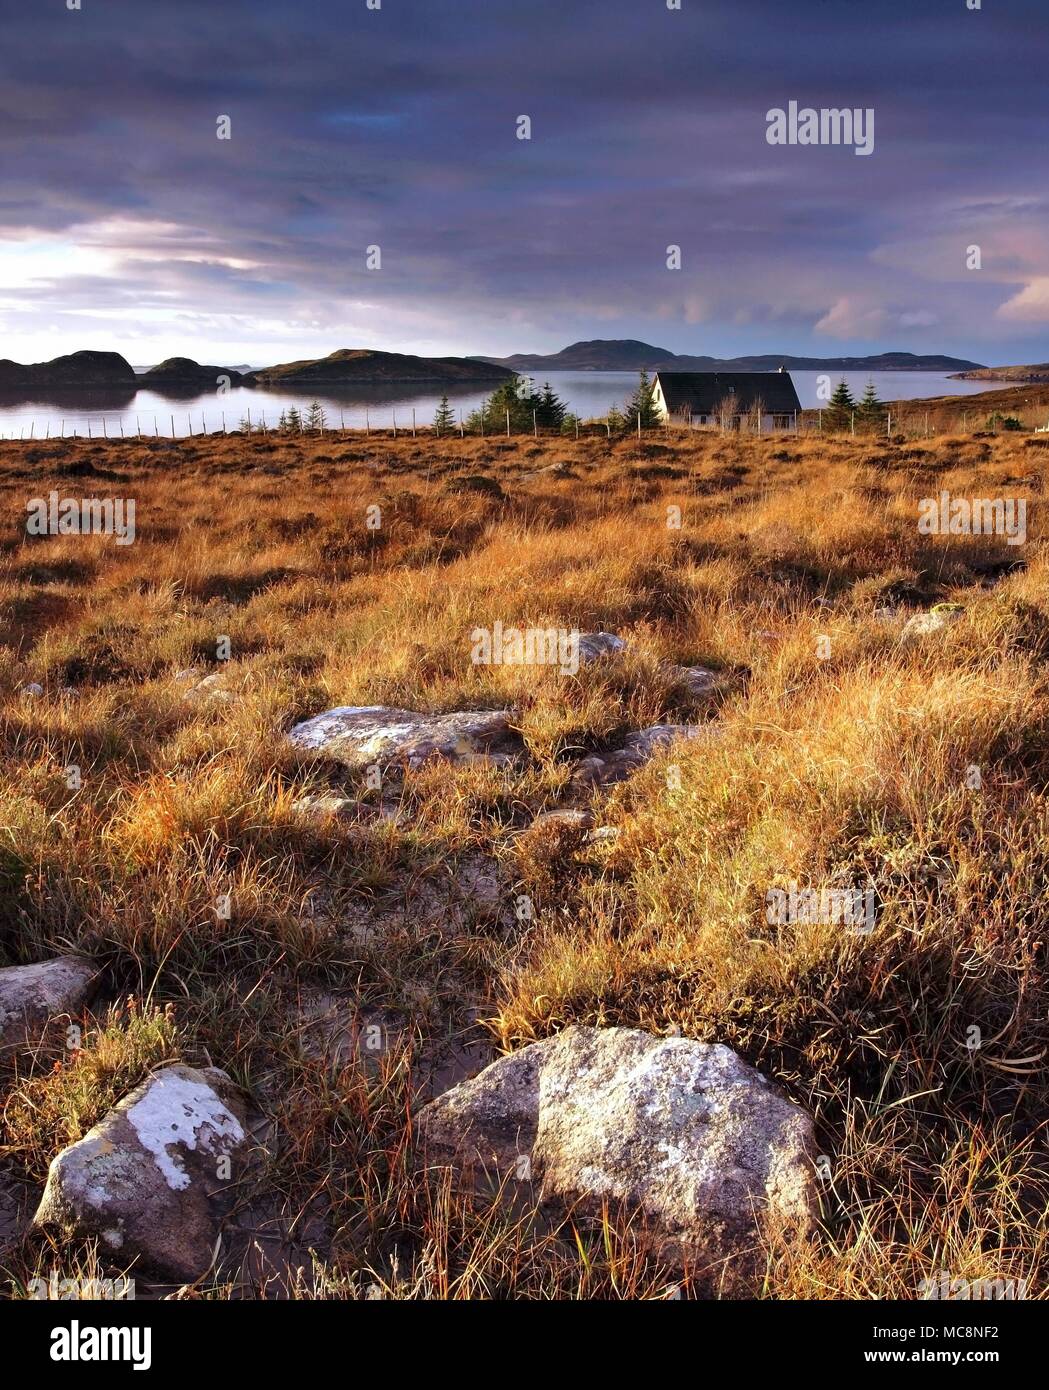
x=152, y=1179
x=364, y=735
x=36, y=999
x=704, y=1151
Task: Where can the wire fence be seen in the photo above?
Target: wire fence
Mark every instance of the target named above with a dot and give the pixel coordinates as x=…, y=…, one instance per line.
x=911, y=420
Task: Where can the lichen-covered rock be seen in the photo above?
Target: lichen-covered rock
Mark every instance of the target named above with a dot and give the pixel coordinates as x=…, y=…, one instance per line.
x=936, y=620
x=603, y=769
x=684, y=1135
x=362, y=735
x=153, y=1178
x=33, y=996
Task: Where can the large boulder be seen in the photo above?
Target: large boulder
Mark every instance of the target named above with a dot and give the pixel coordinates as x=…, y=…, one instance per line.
x=361, y=735
x=33, y=997
x=151, y=1179
x=686, y=1136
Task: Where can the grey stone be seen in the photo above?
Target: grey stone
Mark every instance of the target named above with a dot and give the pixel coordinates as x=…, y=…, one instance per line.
x=594, y=645
x=31, y=996
x=604, y=769
x=925, y=624
x=150, y=1180
x=362, y=735
x=327, y=804
x=706, y=1151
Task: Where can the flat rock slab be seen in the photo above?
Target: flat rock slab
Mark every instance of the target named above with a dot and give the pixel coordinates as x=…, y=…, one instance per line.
x=32, y=996
x=604, y=769
x=151, y=1180
x=682, y=1134
x=363, y=735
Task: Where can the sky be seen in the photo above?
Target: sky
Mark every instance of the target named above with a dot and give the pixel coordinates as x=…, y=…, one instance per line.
x=127, y=224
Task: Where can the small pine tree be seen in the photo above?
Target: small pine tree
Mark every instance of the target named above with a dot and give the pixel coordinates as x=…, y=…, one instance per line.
x=315, y=417
x=616, y=420
x=870, y=412
x=294, y=420
x=444, y=420
x=839, y=411
x=642, y=404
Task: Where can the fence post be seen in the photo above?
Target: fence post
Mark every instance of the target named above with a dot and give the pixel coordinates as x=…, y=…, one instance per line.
x=413, y=421
x=508, y=424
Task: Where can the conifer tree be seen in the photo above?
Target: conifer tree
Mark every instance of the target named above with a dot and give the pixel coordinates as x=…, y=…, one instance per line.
x=643, y=404
x=870, y=412
x=551, y=410
x=839, y=410
x=444, y=420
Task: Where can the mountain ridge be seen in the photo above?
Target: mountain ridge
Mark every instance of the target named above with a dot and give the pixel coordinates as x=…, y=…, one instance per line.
x=630, y=354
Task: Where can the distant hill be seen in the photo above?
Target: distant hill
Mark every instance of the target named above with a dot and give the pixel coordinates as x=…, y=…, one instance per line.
x=627, y=354
x=184, y=372
x=1036, y=375
x=351, y=366
x=73, y=370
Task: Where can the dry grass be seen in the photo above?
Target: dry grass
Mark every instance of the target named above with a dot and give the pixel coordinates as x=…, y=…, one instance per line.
x=847, y=769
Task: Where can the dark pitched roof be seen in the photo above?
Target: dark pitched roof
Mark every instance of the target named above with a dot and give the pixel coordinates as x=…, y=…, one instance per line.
x=703, y=392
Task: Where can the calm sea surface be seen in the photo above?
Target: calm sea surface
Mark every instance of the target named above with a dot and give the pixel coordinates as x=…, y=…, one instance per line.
x=588, y=394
